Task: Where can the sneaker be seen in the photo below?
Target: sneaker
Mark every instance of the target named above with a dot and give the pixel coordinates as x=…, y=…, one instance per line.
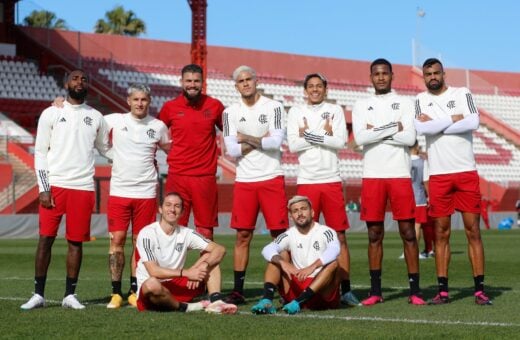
x=482, y=299
x=71, y=301
x=372, y=300
x=401, y=257
x=36, y=301
x=115, y=302
x=264, y=306
x=422, y=256
x=235, y=298
x=221, y=307
x=292, y=307
x=132, y=299
x=440, y=299
x=197, y=306
x=431, y=254
x=416, y=300
x=350, y=299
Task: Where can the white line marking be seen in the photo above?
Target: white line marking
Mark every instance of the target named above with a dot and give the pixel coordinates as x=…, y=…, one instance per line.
x=395, y=320
x=336, y=317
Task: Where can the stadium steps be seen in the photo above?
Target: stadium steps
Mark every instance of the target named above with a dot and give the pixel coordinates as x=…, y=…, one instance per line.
x=25, y=180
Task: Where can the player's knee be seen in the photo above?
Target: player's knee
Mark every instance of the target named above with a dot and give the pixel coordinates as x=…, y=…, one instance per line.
x=151, y=286
x=206, y=232
x=244, y=238
x=117, y=239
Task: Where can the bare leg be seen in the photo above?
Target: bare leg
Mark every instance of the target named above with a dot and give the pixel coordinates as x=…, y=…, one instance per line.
x=74, y=257
x=159, y=296
x=343, y=258
x=411, y=249
x=475, y=247
x=43, y=255
x=241, y=251
x=376, y=234
x=116, y=255
x=442, y=245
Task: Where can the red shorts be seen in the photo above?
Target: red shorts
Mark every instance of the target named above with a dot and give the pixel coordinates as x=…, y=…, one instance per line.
x=178, y=289
x=375, y=192
x=318, y=301
x=199, y=193
x=249, y=197
x=421, y=214
x=122, y=210
x=459, y=191
x=78, y=205
x=327, y=198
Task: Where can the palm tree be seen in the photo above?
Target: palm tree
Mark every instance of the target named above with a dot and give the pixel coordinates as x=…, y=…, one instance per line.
x=119, y=21
x=44, y=19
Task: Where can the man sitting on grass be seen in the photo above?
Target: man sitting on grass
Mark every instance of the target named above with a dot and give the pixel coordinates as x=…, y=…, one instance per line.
x=164, y=283
x=309, y=276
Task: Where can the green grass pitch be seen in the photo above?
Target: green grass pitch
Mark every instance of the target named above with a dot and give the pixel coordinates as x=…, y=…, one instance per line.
x=392, y=319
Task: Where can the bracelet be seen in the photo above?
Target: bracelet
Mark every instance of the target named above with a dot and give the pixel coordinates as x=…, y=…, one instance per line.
x=181, y=272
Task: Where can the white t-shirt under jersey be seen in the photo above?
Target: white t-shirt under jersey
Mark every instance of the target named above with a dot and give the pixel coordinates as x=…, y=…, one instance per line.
x=305, y=249
x=64, y=147
x=385, y=150
x=168, y=251
x=134, y=144
x=449, y=152
x=317, y=152
x=257, y=120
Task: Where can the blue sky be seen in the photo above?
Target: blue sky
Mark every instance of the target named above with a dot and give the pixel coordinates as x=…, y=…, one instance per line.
x=480, y=35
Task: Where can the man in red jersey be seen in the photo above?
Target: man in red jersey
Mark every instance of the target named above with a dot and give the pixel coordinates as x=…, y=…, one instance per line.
x=192, y=160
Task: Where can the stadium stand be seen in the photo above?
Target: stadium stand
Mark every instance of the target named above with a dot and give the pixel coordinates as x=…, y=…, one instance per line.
x=26, y=88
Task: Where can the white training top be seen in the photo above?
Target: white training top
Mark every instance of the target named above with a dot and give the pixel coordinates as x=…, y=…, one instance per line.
x=134, y=144
x=168, y=251
x=386, y=152
x=317, y=152
x=449, y=145
x=266, y=116
x=306, y=249
x=64, y=148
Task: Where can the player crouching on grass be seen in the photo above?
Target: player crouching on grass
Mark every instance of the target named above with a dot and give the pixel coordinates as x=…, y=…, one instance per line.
x=308, y=277
x=164, y=284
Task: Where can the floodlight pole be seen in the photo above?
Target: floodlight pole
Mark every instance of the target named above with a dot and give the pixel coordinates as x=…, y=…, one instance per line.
x=198, y=36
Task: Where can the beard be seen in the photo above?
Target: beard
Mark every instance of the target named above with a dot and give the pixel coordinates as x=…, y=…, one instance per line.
x=78, y=95
x=304, y=224
x=435, y=86
x=191, y=97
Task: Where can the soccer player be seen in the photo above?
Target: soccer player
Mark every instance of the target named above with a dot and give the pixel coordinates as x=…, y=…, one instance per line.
x=192, y=161
x=419, y=174
x=317, y=131
x=309, y=277
x=165, y=284
x=253, y=133
x=447, y=116
x=64, y=163
x=383, y=126
x=133, y=186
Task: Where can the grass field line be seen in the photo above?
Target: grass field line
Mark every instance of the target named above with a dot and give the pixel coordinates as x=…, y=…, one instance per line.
x=395, y=320
x=335, y=317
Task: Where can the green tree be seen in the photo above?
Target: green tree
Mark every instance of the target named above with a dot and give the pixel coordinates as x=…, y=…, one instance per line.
x=44, y=19
x=122, y=22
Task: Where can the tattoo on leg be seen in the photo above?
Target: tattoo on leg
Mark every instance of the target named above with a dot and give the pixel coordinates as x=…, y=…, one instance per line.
x=116, y=262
